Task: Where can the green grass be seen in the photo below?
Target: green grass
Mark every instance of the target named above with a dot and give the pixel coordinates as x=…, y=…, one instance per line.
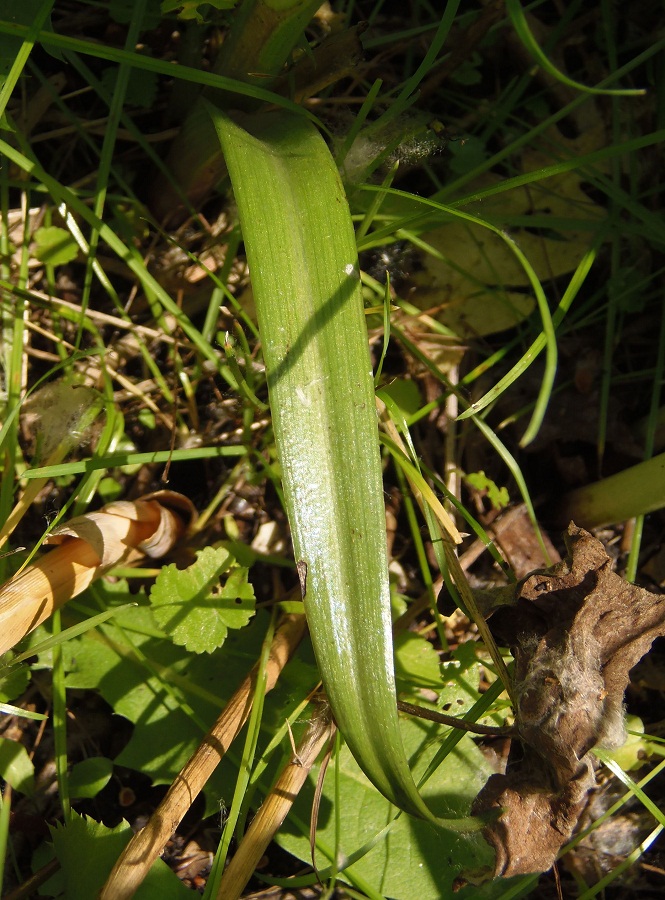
x=521, y=174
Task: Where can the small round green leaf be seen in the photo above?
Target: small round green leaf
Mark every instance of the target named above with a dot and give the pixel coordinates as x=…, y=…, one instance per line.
x=55, y=246
x=16, y=766
x=87, y=778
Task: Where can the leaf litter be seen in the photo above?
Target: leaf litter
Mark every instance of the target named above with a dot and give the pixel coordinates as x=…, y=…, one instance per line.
x=575, y=630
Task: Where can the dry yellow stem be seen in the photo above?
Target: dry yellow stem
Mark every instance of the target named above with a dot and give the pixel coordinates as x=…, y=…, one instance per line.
x=275, y=809
x=144, y=848
x=120, y=533
x=423, y=493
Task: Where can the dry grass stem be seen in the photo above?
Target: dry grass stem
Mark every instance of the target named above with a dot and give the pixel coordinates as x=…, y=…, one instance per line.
x=144, y=848
x=269, y=818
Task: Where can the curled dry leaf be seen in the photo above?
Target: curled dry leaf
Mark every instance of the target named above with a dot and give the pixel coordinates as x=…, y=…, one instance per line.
x=575, y=630
x=122, y=532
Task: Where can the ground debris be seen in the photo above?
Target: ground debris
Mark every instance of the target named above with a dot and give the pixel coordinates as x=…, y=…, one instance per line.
x=575, y=630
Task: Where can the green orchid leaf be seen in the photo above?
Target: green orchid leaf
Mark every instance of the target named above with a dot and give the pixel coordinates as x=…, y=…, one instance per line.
x=301, y=251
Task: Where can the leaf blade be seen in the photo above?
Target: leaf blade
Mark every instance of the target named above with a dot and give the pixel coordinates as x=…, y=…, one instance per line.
x=302, y=256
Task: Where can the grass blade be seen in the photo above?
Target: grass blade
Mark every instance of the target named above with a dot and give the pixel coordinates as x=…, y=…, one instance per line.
x=516, y=14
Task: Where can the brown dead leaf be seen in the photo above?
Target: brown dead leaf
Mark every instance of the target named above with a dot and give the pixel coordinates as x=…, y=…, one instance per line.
x=516, y=537
x=575, y=630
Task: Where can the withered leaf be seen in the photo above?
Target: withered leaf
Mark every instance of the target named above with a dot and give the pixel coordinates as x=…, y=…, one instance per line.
x=575, y=630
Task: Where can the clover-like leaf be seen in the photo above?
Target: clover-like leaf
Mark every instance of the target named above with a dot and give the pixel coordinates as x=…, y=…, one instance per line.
x=55, y=246
x=190, y=9
x=497, y=496
x=195, y=607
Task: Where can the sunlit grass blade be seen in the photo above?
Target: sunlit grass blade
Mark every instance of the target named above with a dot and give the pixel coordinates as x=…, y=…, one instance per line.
x=302, y=256
x=576, y=282
x=149, y=64
x=115, y=460
x=8, y=81
x=452, y=189
x=9, y=710
x=551, y=353
x=411, y=85
x=424, y=494
x=70, y=633
x=516, y=14
x=635, y=789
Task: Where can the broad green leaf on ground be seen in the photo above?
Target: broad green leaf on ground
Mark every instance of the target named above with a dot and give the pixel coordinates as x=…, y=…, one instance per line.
x=171, y=700
x=406, y=395
x=460, y=681
x=417, y=663
x=13, y=682
x=637, y=747
x=196, y=607
x=414, y=860
x=55, y=246
x=467, y=155
x=87, y=850
x=419, y=673
x=88, y=777
x=16, y=767
x=476, y=282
